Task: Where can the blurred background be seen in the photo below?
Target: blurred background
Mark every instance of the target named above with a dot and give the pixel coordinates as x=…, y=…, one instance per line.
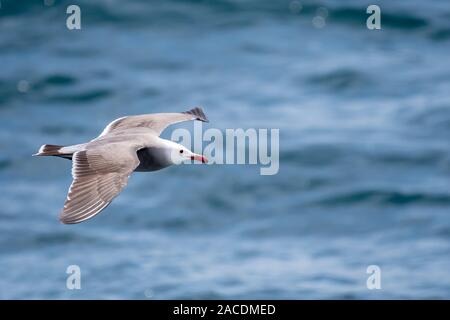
x=364, y=121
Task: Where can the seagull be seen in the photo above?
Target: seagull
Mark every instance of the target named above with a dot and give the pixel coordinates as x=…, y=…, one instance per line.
x=101, y=167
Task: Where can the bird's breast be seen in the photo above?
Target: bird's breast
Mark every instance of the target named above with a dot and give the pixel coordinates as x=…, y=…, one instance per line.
x=151, y=159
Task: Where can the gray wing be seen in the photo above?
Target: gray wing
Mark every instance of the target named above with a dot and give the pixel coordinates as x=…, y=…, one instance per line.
x=156, y=122
x=99, y=175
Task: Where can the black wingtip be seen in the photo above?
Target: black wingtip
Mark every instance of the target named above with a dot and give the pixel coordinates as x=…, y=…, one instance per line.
x=198, y=113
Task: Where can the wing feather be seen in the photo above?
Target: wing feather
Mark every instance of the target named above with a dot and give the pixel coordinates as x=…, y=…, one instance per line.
x=156, y=122
x=99, y=175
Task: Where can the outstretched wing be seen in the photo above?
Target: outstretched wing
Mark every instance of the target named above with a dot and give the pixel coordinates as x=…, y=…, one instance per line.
x=156, y=122
x=99, y=175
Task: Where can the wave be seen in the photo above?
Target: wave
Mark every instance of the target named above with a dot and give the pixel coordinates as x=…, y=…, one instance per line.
x=170, y=12
x=33, y=241
x=441, y=34
x=432, y=117
x=55, y=80
x=5, y=164
x=394, y=20
x=384, y=197
x=340, y=80
x=81, y=97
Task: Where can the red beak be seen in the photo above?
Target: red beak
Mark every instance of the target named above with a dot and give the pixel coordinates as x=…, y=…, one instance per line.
x=199, y=157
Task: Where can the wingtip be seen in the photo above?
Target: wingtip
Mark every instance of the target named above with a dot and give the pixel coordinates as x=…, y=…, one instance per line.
x=62, y=220
x=38, y=154
x=198, y=112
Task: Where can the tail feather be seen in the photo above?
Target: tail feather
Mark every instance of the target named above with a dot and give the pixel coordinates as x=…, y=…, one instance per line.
x=49, y=150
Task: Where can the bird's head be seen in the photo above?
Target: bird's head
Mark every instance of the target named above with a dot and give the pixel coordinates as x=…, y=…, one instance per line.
x=180, y=154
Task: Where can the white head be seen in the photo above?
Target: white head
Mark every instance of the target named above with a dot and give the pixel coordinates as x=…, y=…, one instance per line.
x=178, y=153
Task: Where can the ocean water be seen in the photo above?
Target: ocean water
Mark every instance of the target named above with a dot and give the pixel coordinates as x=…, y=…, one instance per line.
x=364, y=119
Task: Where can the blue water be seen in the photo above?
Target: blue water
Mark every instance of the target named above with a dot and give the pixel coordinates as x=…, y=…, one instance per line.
x=364, y=119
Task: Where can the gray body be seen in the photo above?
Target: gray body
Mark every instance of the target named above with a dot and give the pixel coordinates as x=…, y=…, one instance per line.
x=101, y=167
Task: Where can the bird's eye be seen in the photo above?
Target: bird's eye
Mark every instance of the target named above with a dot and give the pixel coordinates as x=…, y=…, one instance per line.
x=181, y=151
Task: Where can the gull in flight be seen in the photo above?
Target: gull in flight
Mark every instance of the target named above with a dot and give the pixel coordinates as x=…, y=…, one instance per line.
x=101, y=167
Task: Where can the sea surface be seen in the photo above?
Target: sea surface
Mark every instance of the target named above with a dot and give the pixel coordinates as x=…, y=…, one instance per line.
x=364, y=120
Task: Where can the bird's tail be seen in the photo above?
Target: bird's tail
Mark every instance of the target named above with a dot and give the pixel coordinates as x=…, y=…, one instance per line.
x=59, y=151
x=51, y=150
